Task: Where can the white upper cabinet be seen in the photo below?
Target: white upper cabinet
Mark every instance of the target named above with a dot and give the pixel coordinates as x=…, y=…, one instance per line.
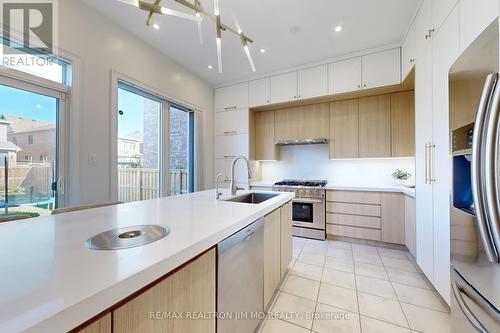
x=231, y=146
x=440, y=11
x=284, y=87
x=313, y=82
x=344, y=76
x=260, y=92
x=423, y=27
x=475, y=16
x=231, y=98
x=231, y=122
x=408, y=53
x=381, y=69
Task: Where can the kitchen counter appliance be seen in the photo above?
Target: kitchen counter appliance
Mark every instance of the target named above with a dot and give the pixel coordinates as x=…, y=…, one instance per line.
x=308, y=213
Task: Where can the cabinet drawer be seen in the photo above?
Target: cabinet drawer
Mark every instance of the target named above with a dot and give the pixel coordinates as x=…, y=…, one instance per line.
x=353, y=209
x=231, y=122
x=354, y=220
x=230, y=146
x=354, y=197
x=231, y=98
x=363, y=233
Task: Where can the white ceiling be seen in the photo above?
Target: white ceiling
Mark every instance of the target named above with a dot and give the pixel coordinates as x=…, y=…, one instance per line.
x=293, y=32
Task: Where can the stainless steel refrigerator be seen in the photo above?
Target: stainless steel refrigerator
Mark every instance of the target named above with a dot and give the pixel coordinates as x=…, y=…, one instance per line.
x=475, y=214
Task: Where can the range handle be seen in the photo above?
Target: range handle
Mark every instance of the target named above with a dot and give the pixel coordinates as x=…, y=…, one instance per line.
x=477, y=168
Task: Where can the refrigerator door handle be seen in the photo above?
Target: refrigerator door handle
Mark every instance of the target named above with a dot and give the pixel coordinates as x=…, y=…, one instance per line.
x=491, y=172
x=477, y=168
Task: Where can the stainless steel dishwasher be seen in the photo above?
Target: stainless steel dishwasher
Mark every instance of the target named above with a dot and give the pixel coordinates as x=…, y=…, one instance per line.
x=240, y=280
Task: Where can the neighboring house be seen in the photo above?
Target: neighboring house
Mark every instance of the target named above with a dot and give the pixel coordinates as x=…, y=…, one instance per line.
x=130, y=148
x=7, y=149
x=35, y=138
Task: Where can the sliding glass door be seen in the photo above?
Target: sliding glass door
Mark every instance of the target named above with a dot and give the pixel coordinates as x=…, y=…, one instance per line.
x=31, y=149
x=139, y=148
x=181, y=149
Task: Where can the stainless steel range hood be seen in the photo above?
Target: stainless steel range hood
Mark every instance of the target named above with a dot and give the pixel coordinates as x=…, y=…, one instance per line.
x=302, y=142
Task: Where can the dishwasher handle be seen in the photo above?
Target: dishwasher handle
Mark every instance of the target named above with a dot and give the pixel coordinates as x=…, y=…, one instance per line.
x=240, y=236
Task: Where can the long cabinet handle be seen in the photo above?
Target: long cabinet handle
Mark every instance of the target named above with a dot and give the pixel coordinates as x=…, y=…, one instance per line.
x=491, y=165
x=426, y=163
x=230, y=108
x=431, y=163
x=230, y=132
x=477, y=168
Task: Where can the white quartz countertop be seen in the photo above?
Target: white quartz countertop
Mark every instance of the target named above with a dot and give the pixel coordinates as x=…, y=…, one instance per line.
x=377, y=188
x=50, y=282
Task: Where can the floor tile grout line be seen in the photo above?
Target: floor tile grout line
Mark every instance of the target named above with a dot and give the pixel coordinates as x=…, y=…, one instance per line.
x=319, y=289
x=357, y=298
x=397, y=298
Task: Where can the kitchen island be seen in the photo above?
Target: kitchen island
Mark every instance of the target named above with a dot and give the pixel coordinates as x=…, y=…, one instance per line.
x=52, y=283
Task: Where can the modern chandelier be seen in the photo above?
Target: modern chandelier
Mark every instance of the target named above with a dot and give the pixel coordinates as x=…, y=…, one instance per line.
x=199, y=12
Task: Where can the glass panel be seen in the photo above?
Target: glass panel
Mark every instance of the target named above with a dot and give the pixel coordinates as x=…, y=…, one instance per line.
x=181, y=150
x=138, y=146
x=303, y=212
x=28, y=152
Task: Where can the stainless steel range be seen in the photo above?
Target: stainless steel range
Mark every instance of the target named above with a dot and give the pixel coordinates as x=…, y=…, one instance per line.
x=309, y=217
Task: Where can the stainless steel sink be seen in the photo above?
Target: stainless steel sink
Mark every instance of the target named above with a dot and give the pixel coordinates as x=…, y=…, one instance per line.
x=252, y=198
x=124, y=238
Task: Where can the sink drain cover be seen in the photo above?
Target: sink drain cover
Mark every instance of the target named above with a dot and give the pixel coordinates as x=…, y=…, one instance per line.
x=124, y=238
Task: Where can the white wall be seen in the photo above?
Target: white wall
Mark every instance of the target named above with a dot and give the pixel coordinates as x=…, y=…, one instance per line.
x=102, y=47
x=311, y=162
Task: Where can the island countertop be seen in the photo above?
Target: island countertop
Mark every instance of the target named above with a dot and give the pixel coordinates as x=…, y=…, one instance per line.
x=51, y=282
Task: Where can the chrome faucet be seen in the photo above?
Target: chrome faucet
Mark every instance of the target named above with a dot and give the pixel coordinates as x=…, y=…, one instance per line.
x=218, y=193
x=235, y=187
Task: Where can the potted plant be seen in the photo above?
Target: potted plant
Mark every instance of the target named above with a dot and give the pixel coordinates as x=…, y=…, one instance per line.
x=401, y=176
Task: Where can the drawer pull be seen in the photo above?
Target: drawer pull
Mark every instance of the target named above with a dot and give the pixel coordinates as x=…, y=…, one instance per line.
x=230, y=132
x=230, y=108
x=229, y=156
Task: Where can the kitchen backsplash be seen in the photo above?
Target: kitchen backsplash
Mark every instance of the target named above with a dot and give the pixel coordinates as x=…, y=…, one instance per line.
x=312, y=162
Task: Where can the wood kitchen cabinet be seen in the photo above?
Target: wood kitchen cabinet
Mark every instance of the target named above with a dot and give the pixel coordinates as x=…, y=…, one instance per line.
x=101, y=325
x=393, y=214
x=303, y=122
x=410, y=225
x=403, y=124
x=375, y=126
x=192, y=288
x=344, y=118
x=286, y=238
x=272, y=254
x=264, y=138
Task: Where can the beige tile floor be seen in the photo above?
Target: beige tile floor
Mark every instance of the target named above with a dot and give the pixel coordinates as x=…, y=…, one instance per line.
x=335, y=286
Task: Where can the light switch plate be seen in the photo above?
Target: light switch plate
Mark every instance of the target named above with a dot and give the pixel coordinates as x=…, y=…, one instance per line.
x=92, y=160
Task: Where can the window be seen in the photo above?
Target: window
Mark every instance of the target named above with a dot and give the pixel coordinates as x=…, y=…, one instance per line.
x=139, y=119
x=28, y=158
x=181, y=150
x=44, y=158
x=30, y=139
x=14, y=140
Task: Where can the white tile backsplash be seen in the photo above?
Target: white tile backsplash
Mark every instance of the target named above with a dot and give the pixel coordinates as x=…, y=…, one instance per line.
x=312, y=162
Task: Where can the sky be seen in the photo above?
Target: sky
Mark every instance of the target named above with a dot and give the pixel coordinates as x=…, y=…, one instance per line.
x=132, y=106
x=26, y=104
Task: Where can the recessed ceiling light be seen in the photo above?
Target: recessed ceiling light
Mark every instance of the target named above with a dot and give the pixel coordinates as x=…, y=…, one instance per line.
x=210, y=67
x=338, y=28
x=262, y=50
x=156, y=26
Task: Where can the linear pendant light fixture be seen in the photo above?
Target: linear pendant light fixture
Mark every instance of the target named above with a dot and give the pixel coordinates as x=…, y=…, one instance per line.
x=156, y=8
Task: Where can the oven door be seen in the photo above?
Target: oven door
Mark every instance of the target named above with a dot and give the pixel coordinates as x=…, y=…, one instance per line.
x=308, y=213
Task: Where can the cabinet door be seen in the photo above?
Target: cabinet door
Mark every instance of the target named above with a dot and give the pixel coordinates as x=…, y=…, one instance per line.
x=423, y=23
x=230, y=146
x=190, y=289
x=403, y=124
x=382, y=69
x=408, y=52
x=223, y=166
x=284, y=87
x=423, y=136
x=393, y=214
x=260, y=92
x=265, y=147
x=375, y=126
x=231, y=122
x=304, y=122
x=410, y=225
x=231, y=97
x=313, y=82
x=440, y=11
x=102, y=325
x=286, y=238
x=272, y=249
x=445, y=51
x=344, y=119
x=475, y=16
x=344, y=76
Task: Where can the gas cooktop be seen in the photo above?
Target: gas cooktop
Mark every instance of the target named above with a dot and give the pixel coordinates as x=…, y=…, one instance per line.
x=302, y=183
